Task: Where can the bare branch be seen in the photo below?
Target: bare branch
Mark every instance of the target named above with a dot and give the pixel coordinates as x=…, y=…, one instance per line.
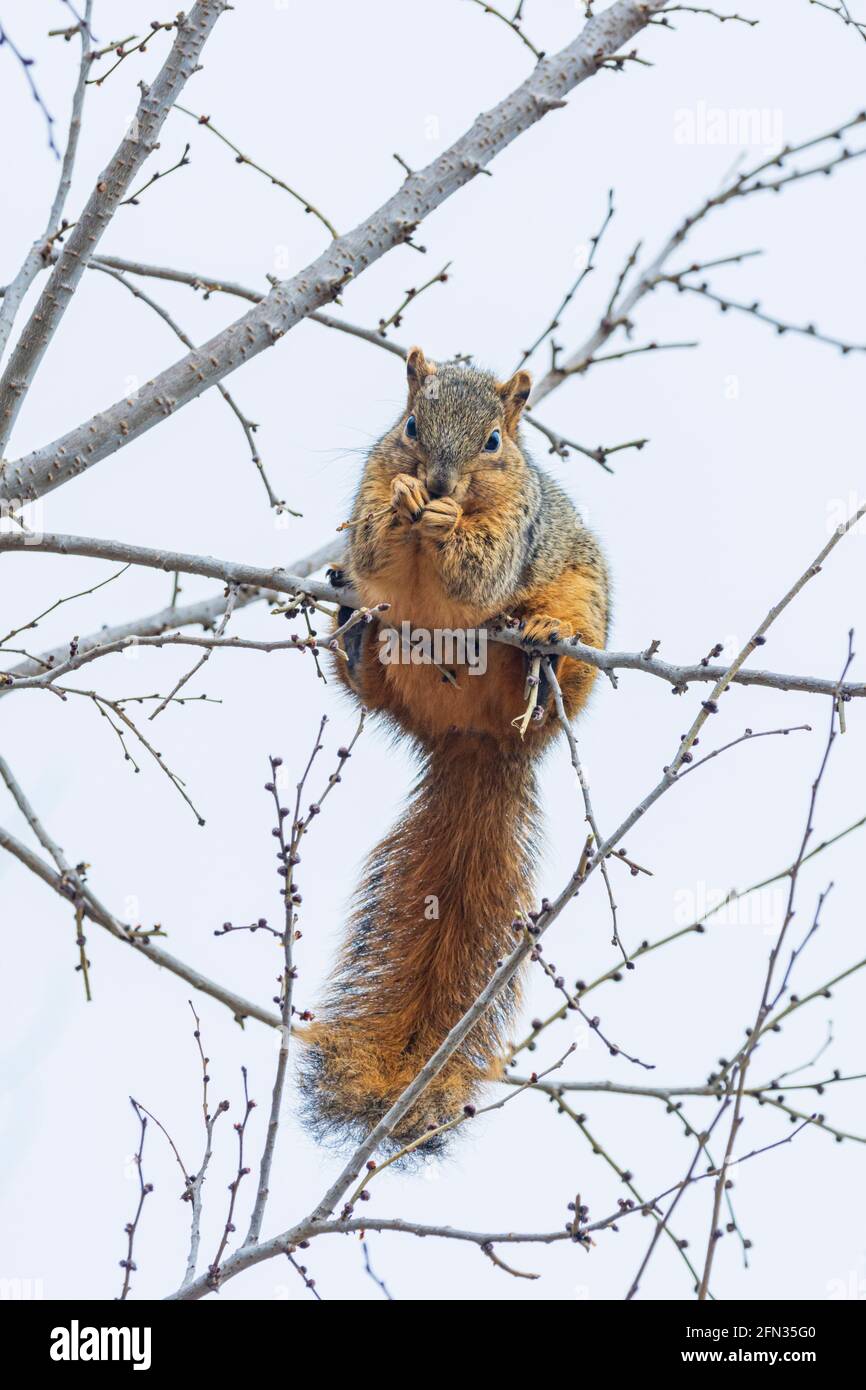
x=589, y=813
x=725, y=303
x=290, y=855
x=743, y=185
x=737, y=1071
x=121, y=52
x=71, y=879
x=241, y=1008
x=68, y=598
x=241, y=158
x=699, y=9
x=128, y=1265
x=111, y=187
x=34, y=261
x=349, y=256
x=678, y=677
x=586, y=270
x=205, y=613
x=25, y=65
x=513, y=24
x=561, y=446
x=396, y=318
x=840, y=9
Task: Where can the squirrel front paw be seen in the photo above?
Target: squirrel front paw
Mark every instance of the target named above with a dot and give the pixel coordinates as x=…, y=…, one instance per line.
x=408, y=497
x=541, y=628
x=440, y=517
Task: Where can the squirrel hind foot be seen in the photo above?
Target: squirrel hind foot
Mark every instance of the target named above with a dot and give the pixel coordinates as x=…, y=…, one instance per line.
x=541, y=628
x=353, y=645
x=545, y=689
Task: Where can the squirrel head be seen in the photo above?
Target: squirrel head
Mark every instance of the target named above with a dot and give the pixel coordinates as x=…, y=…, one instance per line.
x=460, y=421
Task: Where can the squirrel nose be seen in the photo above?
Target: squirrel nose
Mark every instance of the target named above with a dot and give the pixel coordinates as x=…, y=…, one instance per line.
x=440, y=484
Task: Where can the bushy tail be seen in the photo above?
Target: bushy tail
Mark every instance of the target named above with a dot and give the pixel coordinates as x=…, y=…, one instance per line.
x=433, y=915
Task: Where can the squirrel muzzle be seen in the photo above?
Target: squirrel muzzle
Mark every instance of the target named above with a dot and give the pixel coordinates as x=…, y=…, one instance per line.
x=443, y=475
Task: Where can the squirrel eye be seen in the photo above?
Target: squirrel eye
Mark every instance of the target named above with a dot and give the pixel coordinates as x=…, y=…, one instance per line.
x=492, y=443
x=411, y=428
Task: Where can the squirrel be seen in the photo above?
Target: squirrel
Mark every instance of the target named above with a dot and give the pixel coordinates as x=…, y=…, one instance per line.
x=453, y=526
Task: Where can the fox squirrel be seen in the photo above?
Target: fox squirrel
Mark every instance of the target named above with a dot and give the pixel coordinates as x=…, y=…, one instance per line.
x=452, y=526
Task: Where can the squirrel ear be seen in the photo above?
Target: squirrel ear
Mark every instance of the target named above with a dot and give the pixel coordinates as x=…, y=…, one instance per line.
x=514, y=395
x=417, y=371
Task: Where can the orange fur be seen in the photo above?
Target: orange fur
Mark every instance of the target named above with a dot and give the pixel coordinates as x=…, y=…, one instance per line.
x=433, y=915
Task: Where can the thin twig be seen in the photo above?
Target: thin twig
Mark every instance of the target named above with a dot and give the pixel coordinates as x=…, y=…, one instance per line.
x=241, y=158
x=128, y=1265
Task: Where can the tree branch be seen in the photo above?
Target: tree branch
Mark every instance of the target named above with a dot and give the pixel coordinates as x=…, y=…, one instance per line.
x=286, y=582
x=205, y=613
x=346, y=258
x=94, y=910
x=138, y=143
x=34, y=261
x=743, y=185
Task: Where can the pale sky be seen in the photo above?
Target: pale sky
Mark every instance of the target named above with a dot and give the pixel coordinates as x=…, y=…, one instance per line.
x=756, y=453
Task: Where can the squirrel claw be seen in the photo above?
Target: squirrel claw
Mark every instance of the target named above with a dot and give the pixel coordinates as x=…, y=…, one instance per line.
x=408, y=497
x=542, y=628
x=440, y=517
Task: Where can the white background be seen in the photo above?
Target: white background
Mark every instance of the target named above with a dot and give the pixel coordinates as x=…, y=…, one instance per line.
x=756, y=445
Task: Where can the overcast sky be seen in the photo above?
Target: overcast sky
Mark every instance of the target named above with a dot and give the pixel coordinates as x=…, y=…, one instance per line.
x=756, y=452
